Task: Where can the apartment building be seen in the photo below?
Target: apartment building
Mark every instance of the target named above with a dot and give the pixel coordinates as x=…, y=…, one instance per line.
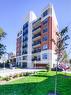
x=34, y=48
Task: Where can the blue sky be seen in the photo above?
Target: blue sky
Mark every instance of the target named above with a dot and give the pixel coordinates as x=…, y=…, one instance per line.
x=12, y=13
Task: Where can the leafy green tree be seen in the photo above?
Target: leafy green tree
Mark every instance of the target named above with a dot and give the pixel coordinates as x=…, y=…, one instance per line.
x=2, y=46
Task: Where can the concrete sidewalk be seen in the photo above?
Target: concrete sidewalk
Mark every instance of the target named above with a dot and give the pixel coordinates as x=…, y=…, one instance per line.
x=8, y=72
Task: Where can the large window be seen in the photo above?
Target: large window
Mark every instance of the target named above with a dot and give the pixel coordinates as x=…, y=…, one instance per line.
x=25, y=25
x=25, y=31
x=24, y=64
x=24, y=52
x=44, y=56
x=44, y=47
x=45, y=30
x=45, y=38
x=24, y=57
x=45, y=13
x=25, y=45
x=25, y=38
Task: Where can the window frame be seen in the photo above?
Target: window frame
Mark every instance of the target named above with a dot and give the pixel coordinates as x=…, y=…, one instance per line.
x=44, y=56
x=45, y=47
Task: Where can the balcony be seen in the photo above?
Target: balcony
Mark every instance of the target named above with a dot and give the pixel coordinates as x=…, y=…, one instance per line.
x=35, y=28
x=36, y=43
x=36, y=46
x=37, y=23
x=36, y=37
x=37, y=31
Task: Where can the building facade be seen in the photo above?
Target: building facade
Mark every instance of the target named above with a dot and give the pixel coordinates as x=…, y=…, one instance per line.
x=35, y=48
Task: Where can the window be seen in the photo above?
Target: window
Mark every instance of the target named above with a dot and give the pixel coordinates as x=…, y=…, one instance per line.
x=25, y=25
x=24, y=64
x=44, y=56
x=45, y=47
x=25, y=45
x=25, y=38
x=45, y=30
x=45, y=13
x=44, y=38
x=19, y=33
x=45, y=21
x=38, y=58
x=25, y=31
x=24, y=57
x=24, y=52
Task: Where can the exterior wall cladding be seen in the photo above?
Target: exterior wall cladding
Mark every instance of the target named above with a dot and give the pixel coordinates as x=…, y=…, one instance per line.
x=34, y=47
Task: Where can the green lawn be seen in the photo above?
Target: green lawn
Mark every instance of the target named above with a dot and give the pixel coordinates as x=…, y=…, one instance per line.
x=39, y=84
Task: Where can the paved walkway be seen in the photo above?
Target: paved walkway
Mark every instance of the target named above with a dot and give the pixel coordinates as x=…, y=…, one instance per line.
x=8, y=72
x=67, y=72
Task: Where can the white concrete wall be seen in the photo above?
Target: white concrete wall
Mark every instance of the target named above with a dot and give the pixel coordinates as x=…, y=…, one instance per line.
x=32, y=17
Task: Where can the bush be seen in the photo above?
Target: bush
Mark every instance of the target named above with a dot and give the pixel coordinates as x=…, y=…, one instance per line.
x=21, y=74
x=6, y=78
x=16, y=76
x=27, y=74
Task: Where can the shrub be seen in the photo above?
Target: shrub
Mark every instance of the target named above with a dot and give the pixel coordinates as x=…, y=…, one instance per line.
x=6, y=78
x=21, y=74
x=16, y=76
x=27, y=74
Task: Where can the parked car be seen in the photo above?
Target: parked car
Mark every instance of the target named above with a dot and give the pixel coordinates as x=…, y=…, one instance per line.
x=58, y=69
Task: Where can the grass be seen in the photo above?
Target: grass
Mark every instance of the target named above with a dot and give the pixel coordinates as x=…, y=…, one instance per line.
x=38, y=84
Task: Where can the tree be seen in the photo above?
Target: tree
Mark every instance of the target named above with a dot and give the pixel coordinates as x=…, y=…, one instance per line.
x=70, y=62
x=47, y=67
x=2, y=46
x=61, y=45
